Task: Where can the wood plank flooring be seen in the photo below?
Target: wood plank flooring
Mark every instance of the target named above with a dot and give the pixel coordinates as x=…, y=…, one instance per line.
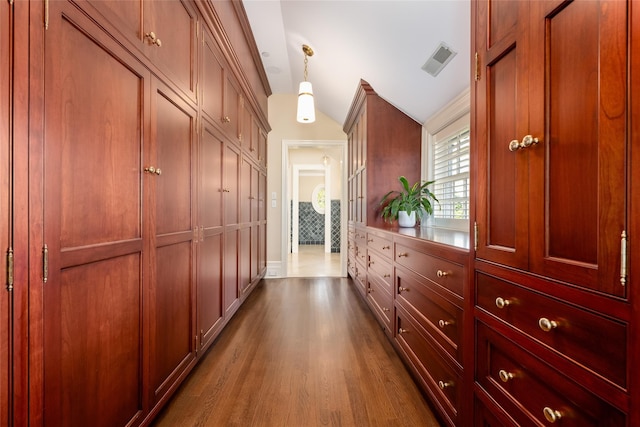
x=300, y=352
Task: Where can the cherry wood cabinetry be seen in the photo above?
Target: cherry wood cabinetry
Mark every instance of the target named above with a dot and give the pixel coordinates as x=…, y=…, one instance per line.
x=553, y=119
x=417, y=288
x=384, y=144
x=121, y=204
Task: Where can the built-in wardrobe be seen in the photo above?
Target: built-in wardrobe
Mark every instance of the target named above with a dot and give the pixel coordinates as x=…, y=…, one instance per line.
x=132, y=214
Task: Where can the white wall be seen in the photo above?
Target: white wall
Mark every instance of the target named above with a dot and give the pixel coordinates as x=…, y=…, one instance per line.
x=282, y=118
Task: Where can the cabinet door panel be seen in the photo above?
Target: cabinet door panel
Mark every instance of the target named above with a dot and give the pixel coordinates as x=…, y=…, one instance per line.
x=174, y=24
x=92, y=300
x=231, y=272
x=212, y=80
x=578, y=170
x=210, y=310
x=5, y=208
x=231, y=187
x=173, y=135
x=501, y=117
x=245, y=191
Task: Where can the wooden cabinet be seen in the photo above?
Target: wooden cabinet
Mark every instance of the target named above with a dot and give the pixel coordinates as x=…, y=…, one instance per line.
x=552, y=127
x=529, y=213
x=126, y=190
x=384, y=144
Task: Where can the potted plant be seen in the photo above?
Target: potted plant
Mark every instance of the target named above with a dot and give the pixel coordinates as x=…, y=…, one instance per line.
x=406, y=205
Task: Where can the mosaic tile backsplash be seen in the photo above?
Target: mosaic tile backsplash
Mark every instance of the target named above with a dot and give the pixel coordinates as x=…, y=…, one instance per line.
x=311, y=225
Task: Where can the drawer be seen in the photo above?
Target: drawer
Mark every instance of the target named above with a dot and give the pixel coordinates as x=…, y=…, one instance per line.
x=565, y=328
x=381, y=301
x=532, y=392
x=360, y=278
x=439, y=317
x=380, y=244
x=444, y=383
x=361, y=253
x=360, y=237
x=440, y=271
x=382, y=268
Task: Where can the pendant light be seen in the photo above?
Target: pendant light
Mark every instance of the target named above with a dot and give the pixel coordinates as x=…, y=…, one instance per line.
x=306, y=110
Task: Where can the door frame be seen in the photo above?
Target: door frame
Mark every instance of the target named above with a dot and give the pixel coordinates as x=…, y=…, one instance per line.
x=286, y=200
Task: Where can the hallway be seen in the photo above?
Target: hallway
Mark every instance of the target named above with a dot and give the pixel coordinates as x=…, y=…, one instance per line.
x=300, y=352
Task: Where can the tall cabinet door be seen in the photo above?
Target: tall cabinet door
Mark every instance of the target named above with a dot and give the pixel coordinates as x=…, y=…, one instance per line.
x=91, y=285
x=173, y=133
x=6, y=361
x=210, y=310
x=579, y=113
x=501, y=117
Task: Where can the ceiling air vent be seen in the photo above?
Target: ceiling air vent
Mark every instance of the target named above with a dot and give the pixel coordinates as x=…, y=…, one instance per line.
x=440, y=57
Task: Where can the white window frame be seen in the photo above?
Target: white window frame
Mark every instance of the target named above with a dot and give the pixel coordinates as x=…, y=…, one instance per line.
x=449, y=121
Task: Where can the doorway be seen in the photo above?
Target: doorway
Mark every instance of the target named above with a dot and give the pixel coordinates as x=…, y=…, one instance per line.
x=315, y=219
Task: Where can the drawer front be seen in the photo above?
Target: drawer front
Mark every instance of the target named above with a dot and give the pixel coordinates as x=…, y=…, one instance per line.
x=381, y=301
x=439, y=317
x=438, y=270
x=382, y=268
x=567, y=329
x=444, y=382
x=517, y=380
x=380, y=244
x=360, y=278
x=361, y=253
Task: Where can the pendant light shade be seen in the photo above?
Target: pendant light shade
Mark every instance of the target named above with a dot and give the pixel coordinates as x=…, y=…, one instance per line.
x=306, y=108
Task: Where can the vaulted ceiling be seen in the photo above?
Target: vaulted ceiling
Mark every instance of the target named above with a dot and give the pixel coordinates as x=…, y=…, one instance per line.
x=385, y=42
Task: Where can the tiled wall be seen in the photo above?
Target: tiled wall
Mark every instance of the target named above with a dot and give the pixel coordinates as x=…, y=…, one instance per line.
x=311, y=225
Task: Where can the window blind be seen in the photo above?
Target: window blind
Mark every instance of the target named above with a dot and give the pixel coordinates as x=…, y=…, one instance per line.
x=451, y=173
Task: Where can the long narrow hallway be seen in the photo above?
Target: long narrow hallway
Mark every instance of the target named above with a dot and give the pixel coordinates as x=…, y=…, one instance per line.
x=300, y=352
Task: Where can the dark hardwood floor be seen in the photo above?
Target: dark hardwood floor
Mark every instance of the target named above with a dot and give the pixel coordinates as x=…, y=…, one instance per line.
x=300, y=352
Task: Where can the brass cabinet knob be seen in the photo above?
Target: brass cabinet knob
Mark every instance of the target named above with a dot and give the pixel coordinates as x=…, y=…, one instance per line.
x=551, y=415
x=502, y=303
x=444, y=323
x=153, y=170
x=385, y=309
x=441, y=273
x=505, y=376
x=445, y=384
x=546, y=324
x=153, y=38
x=401, y=289
x=226, y=119
x=527, y=141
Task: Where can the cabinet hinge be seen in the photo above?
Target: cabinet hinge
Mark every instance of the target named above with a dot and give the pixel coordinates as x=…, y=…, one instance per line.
x=623, y=258
x=475, y=236
x=477, y=73
x=45, y=263
x=10, y=269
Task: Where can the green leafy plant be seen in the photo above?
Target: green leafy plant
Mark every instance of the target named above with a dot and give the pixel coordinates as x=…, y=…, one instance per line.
x=416, y=198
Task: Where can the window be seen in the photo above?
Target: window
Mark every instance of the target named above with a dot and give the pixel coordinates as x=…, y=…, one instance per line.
x=451, y=172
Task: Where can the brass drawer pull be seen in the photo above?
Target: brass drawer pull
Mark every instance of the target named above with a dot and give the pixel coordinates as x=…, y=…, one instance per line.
x=502, y=303
x=445, y=384
x=371, y=263
x=444, y=323
x=551, y=415
x=387, y=275
x=441, y=273
x=505, y=376
x=546, y=324
x=401, y=289
x=402, y=331
x=386, y=247
x=385, y=309
x=404, y=254
x=226, y=119
x=369, y=240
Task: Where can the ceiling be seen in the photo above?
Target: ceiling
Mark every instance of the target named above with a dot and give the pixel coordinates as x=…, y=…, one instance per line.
x=385, y=42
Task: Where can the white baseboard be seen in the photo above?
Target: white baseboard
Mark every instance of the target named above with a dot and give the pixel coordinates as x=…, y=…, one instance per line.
x=274, y=270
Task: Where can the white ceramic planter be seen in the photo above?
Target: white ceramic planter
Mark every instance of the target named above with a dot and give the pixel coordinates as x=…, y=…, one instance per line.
x=405, y=220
